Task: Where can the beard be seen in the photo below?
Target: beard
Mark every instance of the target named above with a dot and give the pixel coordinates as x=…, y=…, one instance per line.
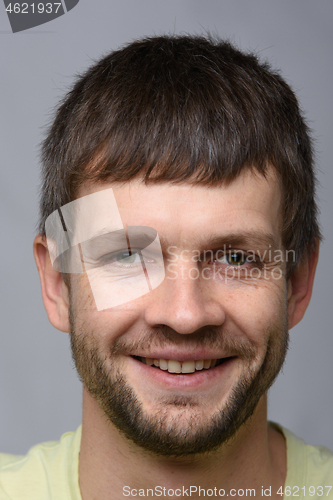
x=178, y=428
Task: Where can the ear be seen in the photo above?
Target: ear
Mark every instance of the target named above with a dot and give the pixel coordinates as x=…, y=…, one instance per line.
x=54, y=290
x=300, y=287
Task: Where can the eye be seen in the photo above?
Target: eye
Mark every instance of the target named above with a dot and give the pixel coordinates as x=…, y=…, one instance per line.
x=126, y=257
x=236, y=258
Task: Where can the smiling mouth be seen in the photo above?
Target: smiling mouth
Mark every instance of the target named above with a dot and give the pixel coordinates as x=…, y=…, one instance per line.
x=173, y=366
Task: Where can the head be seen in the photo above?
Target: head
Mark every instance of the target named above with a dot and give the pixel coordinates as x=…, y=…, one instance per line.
x=197, y=140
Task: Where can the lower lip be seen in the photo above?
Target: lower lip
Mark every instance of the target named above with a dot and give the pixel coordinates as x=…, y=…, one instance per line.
x=196, y=379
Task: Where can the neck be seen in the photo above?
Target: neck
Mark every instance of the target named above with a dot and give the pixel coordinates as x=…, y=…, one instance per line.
x=111, y=467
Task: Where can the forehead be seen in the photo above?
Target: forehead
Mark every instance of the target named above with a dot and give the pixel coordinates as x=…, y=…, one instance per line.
x=184, y=211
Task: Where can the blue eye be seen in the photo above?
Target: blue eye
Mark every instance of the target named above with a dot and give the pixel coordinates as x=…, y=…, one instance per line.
x=126, y=257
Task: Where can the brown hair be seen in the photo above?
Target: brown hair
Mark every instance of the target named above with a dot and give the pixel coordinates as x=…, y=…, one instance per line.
x=182, y=109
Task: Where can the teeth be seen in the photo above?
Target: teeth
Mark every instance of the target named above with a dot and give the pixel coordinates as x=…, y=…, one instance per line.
x=199, y=364
x=188, y=367
x=163, y=364
x=173, y=366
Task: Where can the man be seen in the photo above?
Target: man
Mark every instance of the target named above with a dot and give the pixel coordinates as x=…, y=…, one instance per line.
x=178, y=244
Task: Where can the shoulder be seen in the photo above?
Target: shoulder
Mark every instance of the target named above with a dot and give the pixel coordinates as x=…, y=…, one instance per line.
x=317, y=460
x=49, y=470
x=309, y=468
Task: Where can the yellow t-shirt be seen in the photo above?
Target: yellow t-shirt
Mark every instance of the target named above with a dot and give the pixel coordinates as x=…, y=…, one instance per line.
x=309, y=469
x=50, y=471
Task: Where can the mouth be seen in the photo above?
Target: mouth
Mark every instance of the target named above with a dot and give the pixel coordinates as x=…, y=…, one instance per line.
x=175, y=367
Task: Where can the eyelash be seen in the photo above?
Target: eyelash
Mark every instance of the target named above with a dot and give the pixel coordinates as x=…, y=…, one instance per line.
x=112, y=257
x=254, y=259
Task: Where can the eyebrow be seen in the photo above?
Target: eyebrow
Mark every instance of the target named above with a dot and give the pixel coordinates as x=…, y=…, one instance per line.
x=244, y=239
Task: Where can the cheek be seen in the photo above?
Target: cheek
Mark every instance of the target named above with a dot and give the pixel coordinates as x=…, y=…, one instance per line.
x=81, y=297
x=106, y=325
x=253, y=310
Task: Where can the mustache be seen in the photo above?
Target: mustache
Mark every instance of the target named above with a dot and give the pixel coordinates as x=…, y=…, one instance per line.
x=206, y=337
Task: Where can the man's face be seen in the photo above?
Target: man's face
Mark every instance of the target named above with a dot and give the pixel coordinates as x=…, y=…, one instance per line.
x=223, y=302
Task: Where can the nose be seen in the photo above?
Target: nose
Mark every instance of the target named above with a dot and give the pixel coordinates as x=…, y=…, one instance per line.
x=184, y=303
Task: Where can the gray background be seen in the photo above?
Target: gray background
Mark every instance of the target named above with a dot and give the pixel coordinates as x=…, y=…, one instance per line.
x=40, y=395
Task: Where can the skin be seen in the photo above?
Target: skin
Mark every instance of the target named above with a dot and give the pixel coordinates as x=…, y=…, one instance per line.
x=241, y=310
